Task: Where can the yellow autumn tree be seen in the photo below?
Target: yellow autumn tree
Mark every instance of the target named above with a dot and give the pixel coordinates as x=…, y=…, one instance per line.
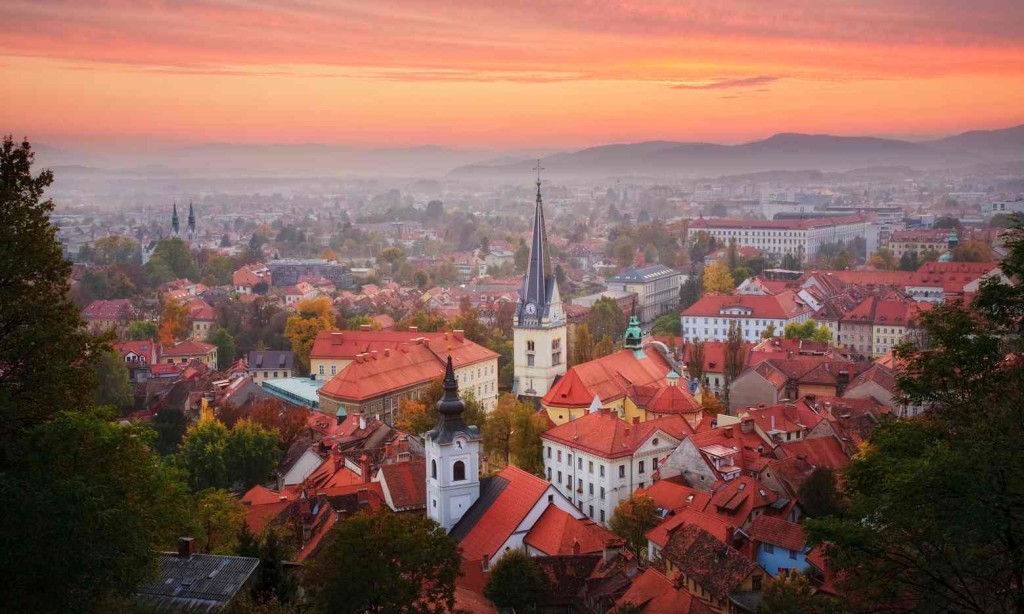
x=718, y=279
x=175, y=322
x=311, y=316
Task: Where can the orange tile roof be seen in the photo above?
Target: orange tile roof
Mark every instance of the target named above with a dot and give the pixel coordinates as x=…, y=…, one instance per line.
x=671, y=496
x=115, y=309
x=188, y=348
x=779, y=532
x=716, y=526
x=608, y=377
x=782, y=306
x=556, y=531
x=406, y=483
x=504, y=514
x=819, y=451
x=653, y=592
x=604, y=434
x=348, y=344
x=737, y=499
x=950, y=276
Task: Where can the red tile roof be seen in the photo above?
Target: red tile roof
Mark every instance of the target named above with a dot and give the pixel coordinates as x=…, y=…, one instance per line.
x=653, y=592
x=608, y=377
x=737, y=499
x=556, y=532
x=719, y=568
x=116, y=309
x=720, y=528
x=793, y=224
x=671, y=496
x=950, y=276
x=505, y=513
x=200, y=310
x=188, y=348
x=779, y=532
x=406, y=483
x=819, y=451
x=604, y=434
x=782, y=306
x=406, y=366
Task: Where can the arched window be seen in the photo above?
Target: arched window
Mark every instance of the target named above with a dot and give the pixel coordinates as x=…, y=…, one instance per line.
x=433, y=469
x=459, y=471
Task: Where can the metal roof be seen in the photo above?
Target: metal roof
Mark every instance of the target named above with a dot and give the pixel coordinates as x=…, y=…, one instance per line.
x=645, y=274
x=199, y=583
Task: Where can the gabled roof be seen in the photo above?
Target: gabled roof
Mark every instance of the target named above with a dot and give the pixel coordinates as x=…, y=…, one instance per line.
x=188, y=348
x=556, y=532
x=653, y=592
x=818, y=451
x=672, y=496
x=198, y=583
x=782, y=306
x=643, y=274
x=715, y=525
x=505, y=501
x=738, y=498
x=950, y=276
x=602, y=433
x=779, y=532
x=116, y=309
x=271, y=359
x=608, y=377
x=406, y=483
x=720, y=569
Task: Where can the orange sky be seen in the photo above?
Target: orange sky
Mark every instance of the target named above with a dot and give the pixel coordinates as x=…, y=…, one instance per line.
x=498, y=73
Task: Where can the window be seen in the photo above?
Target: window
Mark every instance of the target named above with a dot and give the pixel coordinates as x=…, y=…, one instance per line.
x=433, y=469
x=579, y=484
x=654, y=441
x=602, y=492
x=591, y=514
x=275, y=373
x=549, y=474
x=622, y=471
x=755, y=583
x=591, y=488
x=321, y=369
x=559, y=478
x=559, y=456
x=334, y=369
x=792, y=554
x=529, y=346
x=529, y=360
x=549, y=451
x=459, y=471
x=640, y=467
x=602, y=470
x=769, y=548
x=579, y=463
x=590, y=467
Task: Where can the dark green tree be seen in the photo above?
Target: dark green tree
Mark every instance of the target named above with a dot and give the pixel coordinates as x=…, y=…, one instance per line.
x=791, y=592
x=735, y=358
x=203, y=455
x=251, y=453
x=516, y=582
x=668, y=325
x=112, y=385
x=385, y=562
x=606, y=319
x=691, y=290
x=175, y=253
x=170, y=425
x=272, y=581
x=142, y=330
x=819, y=494
x=225, y=347
x=41, y=331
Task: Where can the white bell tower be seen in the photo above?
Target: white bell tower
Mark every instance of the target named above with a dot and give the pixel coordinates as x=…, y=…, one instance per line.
x=453, y=458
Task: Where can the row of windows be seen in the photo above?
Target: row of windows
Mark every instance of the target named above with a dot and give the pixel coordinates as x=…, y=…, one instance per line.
x=641, y=466
x=458, y=470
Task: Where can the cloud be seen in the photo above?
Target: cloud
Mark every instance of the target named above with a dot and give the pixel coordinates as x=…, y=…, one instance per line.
x=725, y=84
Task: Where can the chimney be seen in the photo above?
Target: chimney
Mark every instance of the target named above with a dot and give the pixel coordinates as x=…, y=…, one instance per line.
x=747, y=425
x=575, y=547
x=612, y=548
x=365, y=327
x=388, y=450
x=336, y=338
x=387, y=352
x=186, y=547
x=730, y=534
x=364, y=468
x=373, y=354
x=459, y=334
x=773, y=423
x=636, y=419
x=339, y=460
x=485, y=561
x=362, y=422
x=842, y=381
x=280, y=480
x=414, y=329
x=728, y=432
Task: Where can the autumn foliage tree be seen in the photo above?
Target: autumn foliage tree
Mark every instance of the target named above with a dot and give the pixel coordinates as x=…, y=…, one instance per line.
x=718, y=279
x=175, y=322
x=633, y=518
x=311, y=317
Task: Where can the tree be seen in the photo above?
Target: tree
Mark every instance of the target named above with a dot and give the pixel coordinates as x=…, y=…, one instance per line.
x=175, y=322
x=250, y=453
x=287, y=421
x=311, y=317
x=819, y=494
x=908, y=261
x=634, y=516
x=972, y=250
x=246, y=542
x=497, y=434
x=933, y=522
x=413, y=417
x=741, y=274
x=142, y=330
x=790, y=262
x=606, y=319
x=668, y=325
x=808, y=330
x=604, y=347
x=734, y=358
x=42, y=331
x=525, y=444
x=947, y=222
x=435, y=210
x=225, y=347
x=203, y=457
x=170, y=425
x=582, y=345
x=769, y=331
x=516, y=582
x=218, y=514
x=718, y=279
x=94, y=487
x=884, y=259
x=691, y=290
x=175, y=253
x=791, y=593
x=219, y=269
x=112, y=385
x=385, y=562
x=695, y=362
x=116, y=250
x=272, y=581
x=521, y=257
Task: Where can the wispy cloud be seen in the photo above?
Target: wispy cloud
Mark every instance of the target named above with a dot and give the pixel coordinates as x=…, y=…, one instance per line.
x=725, y=84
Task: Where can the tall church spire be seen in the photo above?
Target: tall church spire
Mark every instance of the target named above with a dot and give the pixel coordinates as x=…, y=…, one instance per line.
x=174, y=220
x=534, y=296
x=191, y=228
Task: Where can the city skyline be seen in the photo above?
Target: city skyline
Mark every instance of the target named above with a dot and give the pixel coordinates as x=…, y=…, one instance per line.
x=483, y=74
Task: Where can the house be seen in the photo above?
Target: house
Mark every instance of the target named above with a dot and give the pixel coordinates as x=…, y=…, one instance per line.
x=652, y=591
x=558, y=532
x=196, y=582
x=656, y=288
x=138, y=357
x=299, y=292
x=245, y=279
x=115, y=315
x=598, y=460
x=878, y=323
x=712, y=315
x=779, y=545
x=202, y=316
x=270, y=364
x=374, y=382
x=404, y=485
x=715, y=573
x=777, y=379
x=187, y=351
x=936, y=282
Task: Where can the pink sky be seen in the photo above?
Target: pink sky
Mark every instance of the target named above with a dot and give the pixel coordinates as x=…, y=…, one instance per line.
x=495, y=73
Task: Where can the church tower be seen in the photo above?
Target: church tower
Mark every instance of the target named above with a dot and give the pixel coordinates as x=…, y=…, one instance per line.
x=453, y=458
x=538, y=327
x=175, y=228
x=190, y=230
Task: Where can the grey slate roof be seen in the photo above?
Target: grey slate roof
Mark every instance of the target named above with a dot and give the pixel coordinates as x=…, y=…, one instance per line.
x=199, y=583
x=490, y=489
x=645, y=274
x=271, y=359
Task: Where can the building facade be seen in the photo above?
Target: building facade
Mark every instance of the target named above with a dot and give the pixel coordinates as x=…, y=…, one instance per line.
x=656, y=288
x=798, y=238
x=711, y=316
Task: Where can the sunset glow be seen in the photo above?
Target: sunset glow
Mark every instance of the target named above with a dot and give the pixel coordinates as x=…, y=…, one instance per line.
x=502, y=74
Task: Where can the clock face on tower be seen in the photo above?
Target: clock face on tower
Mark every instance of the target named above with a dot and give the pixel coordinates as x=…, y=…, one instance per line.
x=531, y=309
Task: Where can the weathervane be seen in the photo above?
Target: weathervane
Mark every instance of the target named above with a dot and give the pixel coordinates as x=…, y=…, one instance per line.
x=538, y=168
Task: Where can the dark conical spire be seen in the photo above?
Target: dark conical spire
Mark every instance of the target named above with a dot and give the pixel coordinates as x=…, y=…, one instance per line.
x=534, y=291
x=450, y=406
x=191, y=217
x=174, y=219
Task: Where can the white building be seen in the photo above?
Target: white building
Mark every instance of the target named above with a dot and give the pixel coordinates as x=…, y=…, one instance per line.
x=710, y=317
x=799, y=238
x=599, y=459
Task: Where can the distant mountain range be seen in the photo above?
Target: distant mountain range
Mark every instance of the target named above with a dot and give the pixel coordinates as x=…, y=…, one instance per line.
x=782, y=152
